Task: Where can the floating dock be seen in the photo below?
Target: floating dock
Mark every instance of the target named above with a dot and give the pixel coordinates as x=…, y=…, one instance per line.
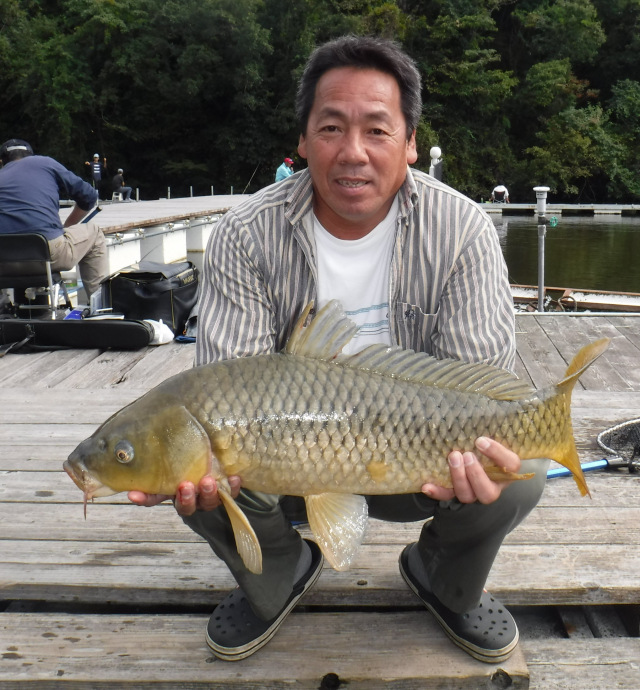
x=564, y=209
x=121, y=600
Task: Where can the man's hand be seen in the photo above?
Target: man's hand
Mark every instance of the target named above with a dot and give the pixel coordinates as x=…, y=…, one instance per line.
x=470, y=481
x=188, y=498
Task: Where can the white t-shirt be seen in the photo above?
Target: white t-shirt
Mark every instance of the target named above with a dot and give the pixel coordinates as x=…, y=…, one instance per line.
x=356, y=272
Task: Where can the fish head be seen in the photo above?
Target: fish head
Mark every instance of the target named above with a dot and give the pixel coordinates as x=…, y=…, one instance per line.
x=143, y=447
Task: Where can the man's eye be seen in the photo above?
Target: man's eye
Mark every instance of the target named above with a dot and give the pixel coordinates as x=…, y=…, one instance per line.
x=377, y=132
x=330, y=128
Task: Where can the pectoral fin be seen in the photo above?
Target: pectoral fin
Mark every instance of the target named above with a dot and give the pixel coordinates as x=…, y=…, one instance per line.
x=246, y=540
x=338, y=522
x=500, y=474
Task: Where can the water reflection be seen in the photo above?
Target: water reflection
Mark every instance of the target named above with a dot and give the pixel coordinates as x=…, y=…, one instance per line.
x=581, y=252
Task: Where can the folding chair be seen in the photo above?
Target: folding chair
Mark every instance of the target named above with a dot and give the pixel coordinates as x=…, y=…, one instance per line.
x=25, y=261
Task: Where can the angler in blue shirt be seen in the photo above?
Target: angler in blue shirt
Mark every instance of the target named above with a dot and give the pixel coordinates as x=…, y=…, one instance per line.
x=284, y=170
x=30, y=191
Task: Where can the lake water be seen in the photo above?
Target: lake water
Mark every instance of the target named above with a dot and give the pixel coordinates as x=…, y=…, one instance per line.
x=580, y=252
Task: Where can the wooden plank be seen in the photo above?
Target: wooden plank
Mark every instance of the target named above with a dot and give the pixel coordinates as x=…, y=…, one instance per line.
x=149, y=573
x=52, y=370
x=521, y=370
x=11, y=364
x=628, y=326
x=159, y=364
x=170, y=652
x=569, y=337
x=608, y=489
x=622, y=355
x=104, y=371
x=584, y=524
x=539, y=354
x=596, y=664
x=55, y=406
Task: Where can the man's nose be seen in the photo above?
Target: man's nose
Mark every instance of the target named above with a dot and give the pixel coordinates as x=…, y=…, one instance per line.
x=353, y=150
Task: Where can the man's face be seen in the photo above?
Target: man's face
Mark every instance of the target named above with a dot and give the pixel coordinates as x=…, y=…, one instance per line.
x=356, y=148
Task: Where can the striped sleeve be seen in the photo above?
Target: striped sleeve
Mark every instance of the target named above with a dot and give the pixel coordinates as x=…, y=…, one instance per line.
x=235, y=315
x=476, y=321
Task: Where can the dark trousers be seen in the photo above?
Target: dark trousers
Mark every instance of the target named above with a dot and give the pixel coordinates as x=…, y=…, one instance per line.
x=458, y=546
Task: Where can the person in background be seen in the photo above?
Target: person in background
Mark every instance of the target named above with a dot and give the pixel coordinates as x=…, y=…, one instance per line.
x=499, y=195
x=117, y=184
x=98, y=171
x=284, y=170
x=30, y=191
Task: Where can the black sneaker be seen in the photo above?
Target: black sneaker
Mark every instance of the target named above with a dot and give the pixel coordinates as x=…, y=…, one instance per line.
x=487, y=632
x=235, y=632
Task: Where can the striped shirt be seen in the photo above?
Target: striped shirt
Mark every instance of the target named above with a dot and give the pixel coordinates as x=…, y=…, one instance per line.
x=448, y=291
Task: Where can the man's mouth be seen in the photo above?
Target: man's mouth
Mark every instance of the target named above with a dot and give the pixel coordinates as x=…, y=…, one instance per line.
x=352, y=184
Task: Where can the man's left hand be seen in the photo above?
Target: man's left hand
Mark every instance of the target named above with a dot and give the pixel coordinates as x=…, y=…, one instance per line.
x=470, y=481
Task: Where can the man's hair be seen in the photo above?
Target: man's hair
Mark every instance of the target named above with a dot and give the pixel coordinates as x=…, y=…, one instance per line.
x=14, y=150
x=362, y=52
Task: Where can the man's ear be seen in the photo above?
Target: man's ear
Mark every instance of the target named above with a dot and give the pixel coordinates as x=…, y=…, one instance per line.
x=412, y=151
x=302, y=146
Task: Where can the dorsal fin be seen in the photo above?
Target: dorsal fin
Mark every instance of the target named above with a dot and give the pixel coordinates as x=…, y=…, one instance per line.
x=325, y=336
x=331, y=329
x=483, y=379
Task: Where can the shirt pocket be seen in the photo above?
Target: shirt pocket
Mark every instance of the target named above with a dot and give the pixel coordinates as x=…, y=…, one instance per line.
x=415, y=328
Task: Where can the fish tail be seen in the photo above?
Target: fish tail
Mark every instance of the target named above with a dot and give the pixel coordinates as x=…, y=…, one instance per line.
x=567, y=454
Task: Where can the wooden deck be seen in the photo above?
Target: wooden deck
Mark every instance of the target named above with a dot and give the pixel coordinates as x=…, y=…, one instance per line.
x=122, y=599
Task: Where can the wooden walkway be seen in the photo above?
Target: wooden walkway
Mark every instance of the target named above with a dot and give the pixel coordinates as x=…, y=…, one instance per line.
x=122, y=599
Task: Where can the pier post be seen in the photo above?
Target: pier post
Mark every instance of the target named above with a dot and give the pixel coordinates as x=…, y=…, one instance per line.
x=168, y=192
x=231, y=190
x=211, y=190
x=190, y=191
x=137, y=193
x=541, y=203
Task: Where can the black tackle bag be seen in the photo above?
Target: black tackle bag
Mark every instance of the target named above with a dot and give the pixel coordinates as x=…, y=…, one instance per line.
x=149, y=290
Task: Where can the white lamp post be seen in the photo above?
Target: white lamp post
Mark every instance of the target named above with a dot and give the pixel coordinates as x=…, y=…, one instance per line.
x=435, y=154
x=541, y=204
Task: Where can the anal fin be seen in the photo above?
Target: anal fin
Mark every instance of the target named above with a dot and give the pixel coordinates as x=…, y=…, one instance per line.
x=246, y=540
x=338, y=522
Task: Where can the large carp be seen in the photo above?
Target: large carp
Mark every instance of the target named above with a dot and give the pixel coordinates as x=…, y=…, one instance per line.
x=311, y=422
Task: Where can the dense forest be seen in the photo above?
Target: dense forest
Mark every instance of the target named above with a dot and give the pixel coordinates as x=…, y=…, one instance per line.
x=201, y=92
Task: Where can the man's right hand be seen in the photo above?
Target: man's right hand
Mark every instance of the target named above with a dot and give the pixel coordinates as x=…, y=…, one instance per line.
x=188, y=498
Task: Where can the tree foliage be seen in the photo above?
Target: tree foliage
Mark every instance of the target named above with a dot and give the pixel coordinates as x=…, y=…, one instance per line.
x=202, y=92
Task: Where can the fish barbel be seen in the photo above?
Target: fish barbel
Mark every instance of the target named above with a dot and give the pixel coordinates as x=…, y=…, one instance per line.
x=311, y=422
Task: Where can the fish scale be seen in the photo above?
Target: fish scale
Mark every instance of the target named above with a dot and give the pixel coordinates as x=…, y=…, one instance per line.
x=360, y=418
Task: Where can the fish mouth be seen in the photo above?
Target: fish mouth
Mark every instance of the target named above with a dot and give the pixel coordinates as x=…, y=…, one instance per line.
x=82, y=478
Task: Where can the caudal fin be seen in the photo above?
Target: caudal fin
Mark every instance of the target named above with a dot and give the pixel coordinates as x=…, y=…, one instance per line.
x=567, y=455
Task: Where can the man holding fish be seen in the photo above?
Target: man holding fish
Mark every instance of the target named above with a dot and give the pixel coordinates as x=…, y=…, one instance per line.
x=415, y=264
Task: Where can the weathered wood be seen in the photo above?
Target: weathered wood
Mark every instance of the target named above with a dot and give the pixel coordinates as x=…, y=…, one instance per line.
x=105, y=371
x=569, y=338
x=51, y=370
x=171, y=572
x=583, y=664
x=609, y=489
x=11, y=364
x=622, y=355
x=540, y=356
x=160, y=364
x=365, y=651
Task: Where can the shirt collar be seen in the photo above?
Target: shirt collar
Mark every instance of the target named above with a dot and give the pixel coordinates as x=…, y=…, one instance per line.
x=300, y=200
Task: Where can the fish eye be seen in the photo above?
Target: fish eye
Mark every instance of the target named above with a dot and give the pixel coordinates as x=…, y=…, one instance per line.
x=124, y=452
